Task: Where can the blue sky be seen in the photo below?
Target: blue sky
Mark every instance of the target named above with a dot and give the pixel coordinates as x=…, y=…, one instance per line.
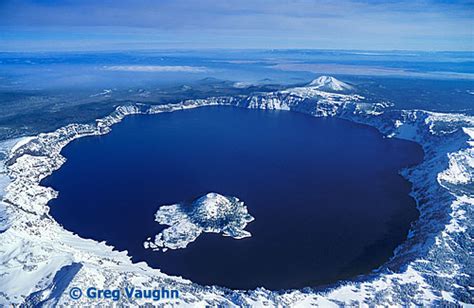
x=53, y=25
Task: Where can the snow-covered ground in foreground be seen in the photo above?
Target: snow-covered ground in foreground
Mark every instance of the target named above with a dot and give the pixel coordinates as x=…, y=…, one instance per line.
x=211, y=213
x=40, y=261
x=7, y=147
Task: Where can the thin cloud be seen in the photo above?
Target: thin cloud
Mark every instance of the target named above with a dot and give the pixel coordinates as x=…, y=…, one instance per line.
x=155, y=68
x=366, y=70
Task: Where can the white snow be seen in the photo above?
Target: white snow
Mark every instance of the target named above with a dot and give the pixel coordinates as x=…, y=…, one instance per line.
x=327, y=83
x=242, y=85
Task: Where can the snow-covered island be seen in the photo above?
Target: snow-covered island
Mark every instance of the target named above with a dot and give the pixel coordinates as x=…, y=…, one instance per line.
x=40, y=261
x=211, y=213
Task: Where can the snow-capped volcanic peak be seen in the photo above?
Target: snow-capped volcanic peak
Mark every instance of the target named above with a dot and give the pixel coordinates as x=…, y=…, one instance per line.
x=211, y=204
x=330, y=83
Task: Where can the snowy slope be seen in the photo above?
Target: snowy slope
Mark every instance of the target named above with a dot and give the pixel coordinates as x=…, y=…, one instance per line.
x=327, y=83
x=40, y=261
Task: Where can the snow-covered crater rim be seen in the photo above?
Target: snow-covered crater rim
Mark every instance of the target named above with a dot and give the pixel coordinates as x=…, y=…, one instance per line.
x=40, y=156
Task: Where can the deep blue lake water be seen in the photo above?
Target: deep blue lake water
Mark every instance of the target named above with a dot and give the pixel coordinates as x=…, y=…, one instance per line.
x=326, y=195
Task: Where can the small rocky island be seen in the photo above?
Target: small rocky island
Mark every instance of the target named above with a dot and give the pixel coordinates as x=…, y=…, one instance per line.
x=212, y=213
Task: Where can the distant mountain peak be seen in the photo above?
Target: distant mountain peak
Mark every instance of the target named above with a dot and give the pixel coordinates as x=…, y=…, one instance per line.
x=330, y=84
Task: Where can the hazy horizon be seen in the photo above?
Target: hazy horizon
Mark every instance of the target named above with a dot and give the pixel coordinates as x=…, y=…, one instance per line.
x=213, y=49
